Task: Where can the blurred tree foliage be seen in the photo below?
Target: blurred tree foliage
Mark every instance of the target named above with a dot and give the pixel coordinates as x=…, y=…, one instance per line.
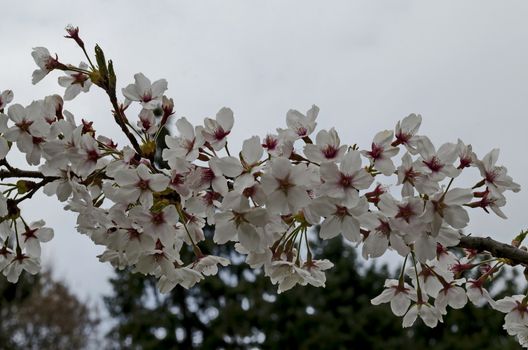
x=41, y=313
x=240, y=309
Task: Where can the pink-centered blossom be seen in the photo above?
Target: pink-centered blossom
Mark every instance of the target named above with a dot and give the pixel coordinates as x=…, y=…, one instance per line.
x=326, y=149
x=406, y=130
x=398, y=294
x=344, y=183
x=215, y=131
x=381, y=152
x=139, y=185
x=143, y=91
x=285, y=186
x=186, y=145
x=75, y=82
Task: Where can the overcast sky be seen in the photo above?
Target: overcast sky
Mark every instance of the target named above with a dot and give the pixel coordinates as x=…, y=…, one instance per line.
x=366, y=64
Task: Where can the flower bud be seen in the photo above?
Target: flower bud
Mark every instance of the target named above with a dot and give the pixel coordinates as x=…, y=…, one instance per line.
x=73, y=33
x=24, y=186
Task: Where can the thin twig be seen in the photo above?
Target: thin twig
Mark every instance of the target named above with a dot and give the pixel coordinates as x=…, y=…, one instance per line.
x=120, y=119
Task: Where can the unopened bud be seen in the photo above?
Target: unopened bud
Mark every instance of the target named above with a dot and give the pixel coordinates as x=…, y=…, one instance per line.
x=167, y=105
x=24, y=186
x=73, y=33
x=148, y=149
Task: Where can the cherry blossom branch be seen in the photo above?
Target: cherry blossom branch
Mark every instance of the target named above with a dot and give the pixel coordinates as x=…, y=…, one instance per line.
x=105, y=78
x=495, y=248
x=20, y=173
x=264, y=197
x=120, y=119
x=15, y=172
x=36, y=187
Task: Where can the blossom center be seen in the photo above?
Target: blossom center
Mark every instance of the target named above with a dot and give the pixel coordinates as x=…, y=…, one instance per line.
x=270, y=143
x=147, y=96
x=434, y=164
x=346, y=180
x=284, y=185
x=302, y=131
x=92, y=155
x=402, y=137
x=143, y=184
x=158, y=218
x=24, y=125
x=329, y=152
x=220, y=133
x=384, y=228
x=341, y=212
x=376, y=151
x=405, y=212
x=30, y=233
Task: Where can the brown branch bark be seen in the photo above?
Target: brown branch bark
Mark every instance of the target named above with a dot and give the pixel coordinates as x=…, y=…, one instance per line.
x=120, y=118
x=495, y=248
x=20, y=173
x=15, y=172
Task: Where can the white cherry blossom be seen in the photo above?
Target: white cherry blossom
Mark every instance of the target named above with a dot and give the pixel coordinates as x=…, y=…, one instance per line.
x=207, y=265
x=406, y=132
x=285, y=186
x=437, y=164
x=345, y=182
x=327, y=147
x=5, y=98
x=75, y=82
x=143, y=91
x=427, y=312
x=32, y=235
x=21, y=262
x=185, y=146
x=381, y=152
x=496, y=177
x=399, y=294
x=216, y=130
x=139, y=184
x=453, y=295
x=44, y=61
x=299, y=125
x=447, y=206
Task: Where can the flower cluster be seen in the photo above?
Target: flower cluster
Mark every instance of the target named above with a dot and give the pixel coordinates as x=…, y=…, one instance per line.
x=148, y=202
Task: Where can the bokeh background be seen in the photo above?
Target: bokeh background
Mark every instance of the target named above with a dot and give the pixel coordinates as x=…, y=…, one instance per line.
x=366, y=64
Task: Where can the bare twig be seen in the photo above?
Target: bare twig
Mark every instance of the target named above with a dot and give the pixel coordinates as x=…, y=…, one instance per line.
x=120, y=119
x=30, y=194
x=15, y=172
x=20, y=173
x=495, y=248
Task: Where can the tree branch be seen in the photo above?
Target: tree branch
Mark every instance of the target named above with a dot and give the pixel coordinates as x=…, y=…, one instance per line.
x=120, y=118
x=38, y=186
x=15, y=172
x=20, y=173
x=496, y=248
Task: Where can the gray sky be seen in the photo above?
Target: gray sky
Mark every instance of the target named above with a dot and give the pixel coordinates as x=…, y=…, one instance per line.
x=366, y=64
